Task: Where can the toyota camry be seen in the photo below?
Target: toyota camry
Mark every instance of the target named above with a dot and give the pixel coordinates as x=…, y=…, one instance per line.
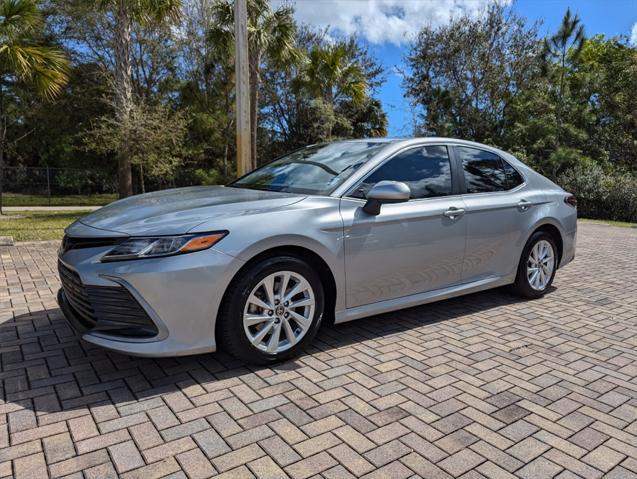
x=330, y=232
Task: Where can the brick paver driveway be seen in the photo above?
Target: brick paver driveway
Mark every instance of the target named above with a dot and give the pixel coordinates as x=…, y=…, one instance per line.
x=482, y=386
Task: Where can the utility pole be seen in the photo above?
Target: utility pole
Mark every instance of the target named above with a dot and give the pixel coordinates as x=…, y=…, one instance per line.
x=242, y=81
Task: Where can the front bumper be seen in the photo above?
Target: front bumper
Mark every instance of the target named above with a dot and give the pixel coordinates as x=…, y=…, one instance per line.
x=180, y=294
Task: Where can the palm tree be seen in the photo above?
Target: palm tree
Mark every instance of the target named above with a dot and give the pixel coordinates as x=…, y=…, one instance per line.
x=271, y=37
x=126, y=13
x=24, y=61
x=333, y=75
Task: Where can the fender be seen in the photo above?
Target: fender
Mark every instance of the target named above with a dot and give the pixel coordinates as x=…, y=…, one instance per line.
x=332, y=256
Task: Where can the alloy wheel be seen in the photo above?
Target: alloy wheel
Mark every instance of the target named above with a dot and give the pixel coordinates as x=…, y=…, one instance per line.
x=279, y=311
x=540, y=265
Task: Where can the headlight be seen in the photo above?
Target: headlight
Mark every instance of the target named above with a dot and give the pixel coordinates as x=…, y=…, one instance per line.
x=154, y=247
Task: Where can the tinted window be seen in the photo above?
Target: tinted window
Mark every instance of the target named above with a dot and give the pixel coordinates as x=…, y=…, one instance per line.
x=317, y=169
x=513, y=177
x=483, y=171
x=426, y=170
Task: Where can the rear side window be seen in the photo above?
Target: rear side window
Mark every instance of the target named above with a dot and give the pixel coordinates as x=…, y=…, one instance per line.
x=426, y=170
x=483, y=171
x=513, y=177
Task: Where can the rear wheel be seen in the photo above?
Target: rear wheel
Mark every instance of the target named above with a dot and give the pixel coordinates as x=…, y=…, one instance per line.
x=537, y=266
x=272, y=311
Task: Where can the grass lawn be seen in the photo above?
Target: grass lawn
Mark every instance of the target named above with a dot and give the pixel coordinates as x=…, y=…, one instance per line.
x=13, y=199
x=622, y=224
x=37, y=225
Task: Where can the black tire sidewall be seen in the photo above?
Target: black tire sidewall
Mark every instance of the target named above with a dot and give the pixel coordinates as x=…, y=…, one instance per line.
x=522, y=285
x=233, y=333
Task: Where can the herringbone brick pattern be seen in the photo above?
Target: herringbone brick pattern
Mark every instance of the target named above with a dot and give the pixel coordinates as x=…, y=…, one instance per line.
x=481, y=386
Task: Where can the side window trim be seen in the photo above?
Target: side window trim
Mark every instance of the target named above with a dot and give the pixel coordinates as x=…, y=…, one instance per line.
x=453, y=171
x=457, y=178
x=460, y=171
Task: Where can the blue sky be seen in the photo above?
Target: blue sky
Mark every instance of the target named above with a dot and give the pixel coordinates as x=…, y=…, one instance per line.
x=386, y=26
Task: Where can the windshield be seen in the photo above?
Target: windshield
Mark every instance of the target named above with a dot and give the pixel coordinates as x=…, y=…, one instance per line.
x=316, y=169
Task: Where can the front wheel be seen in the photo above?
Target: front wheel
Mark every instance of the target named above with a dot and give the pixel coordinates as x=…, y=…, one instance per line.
x=537, y=266
x=272, y=310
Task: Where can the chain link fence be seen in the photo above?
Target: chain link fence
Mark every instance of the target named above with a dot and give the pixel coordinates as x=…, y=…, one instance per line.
x=44, y=186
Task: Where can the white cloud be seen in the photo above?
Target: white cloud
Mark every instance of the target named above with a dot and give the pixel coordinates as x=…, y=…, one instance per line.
x=633, y=35
x=380, y=21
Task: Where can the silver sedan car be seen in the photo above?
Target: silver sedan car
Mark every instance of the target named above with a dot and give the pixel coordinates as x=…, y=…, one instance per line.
x=330, y=232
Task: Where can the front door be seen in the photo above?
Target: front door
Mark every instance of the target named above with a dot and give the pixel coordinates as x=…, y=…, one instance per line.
x=411, y=247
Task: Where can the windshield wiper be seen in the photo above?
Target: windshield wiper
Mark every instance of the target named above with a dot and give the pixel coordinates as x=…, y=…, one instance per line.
x=315, y=163
x=247, y=187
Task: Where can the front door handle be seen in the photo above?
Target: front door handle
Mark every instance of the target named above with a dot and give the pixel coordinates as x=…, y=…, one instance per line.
x=452, y=213
x=524, y=205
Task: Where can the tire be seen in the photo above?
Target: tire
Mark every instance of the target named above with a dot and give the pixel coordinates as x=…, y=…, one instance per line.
x=524, y=286
x=247, y=312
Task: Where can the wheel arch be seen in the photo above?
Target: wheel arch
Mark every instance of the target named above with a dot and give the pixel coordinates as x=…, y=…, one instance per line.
x=554, y=231
x=303, y=253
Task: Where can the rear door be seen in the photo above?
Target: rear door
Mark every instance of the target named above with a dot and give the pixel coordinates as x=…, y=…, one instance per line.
x=410, y=247
x=497, y=213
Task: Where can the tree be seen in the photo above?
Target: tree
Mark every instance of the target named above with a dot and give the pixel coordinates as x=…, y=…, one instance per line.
x=465, y=75
x=271, y=35
x=127, y=14
x=332, y=76
x=25, y=62
x=607, y=71
x=565, y=47
x=328, y=93
x=208, y=92
x=553, y=123
x=155, y=150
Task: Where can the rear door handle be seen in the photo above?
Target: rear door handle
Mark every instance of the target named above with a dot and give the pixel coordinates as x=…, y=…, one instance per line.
x=524, y=205
x=453, y=212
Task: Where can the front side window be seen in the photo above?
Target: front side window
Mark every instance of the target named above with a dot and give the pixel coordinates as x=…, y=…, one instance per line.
x=483, y=171
x=425, y=169
x=317, y=169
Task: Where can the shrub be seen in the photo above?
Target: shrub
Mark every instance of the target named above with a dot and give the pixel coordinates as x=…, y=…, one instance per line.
x=208, y=176
x=602, y=195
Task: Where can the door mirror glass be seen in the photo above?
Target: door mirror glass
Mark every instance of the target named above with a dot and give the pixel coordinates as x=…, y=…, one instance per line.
x=385, y=192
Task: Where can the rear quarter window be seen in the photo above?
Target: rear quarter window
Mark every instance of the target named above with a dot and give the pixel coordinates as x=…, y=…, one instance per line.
x=486, y=172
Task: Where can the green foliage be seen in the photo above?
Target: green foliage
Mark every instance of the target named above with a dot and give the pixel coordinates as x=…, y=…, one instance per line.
x=328, y=95
x=271, y=43
x=51, y=132
x=600, y=194
x=566, y=105
x=464, y=76
x=208, y=177
x=152, y=137
x=23, y=56
x=28, y=68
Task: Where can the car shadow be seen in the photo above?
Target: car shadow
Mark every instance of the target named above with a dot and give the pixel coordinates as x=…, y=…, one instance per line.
x=48, y=369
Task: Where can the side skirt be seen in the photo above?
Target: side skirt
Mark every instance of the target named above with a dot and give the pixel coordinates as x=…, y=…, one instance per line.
x=421, y=298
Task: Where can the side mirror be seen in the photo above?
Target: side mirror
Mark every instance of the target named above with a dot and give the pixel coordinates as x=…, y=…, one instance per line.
x=385, y=192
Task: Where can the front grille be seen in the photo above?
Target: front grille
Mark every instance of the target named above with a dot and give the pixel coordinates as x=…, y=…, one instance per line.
x=76, y=296
x=70, y=242
x=108, y=309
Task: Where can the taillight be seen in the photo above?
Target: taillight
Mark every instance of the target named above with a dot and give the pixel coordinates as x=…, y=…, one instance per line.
x=571, y=200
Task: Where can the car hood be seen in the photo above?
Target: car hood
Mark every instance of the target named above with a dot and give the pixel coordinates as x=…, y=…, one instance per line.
x=179, y=210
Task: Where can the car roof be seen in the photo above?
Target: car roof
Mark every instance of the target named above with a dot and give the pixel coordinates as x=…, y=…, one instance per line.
x=419, y=140
x=416, y=139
